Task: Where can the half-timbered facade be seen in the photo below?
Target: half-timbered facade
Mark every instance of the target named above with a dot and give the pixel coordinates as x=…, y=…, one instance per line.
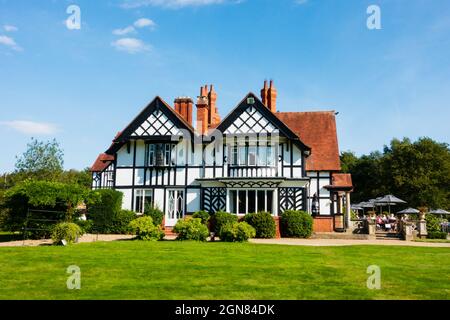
x=255, y=159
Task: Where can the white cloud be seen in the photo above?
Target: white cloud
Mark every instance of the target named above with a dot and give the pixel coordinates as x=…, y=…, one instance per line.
x=173, y=4
x=144, y=22
x=124, y=31
x=10, y=28
x=9, y=42
x=30, y=127
x=131, y=45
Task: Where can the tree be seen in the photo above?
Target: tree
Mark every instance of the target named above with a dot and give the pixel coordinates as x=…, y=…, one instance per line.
x=418, y=172
x=41, y=160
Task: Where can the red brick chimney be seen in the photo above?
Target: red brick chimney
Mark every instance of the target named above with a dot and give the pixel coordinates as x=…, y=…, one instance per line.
x=203, y=111
x=265, y=94
x=183, y=105
x=272, y=97
x=214, y=117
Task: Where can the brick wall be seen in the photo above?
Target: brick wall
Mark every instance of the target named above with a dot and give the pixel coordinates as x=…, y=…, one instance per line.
x=323, y=224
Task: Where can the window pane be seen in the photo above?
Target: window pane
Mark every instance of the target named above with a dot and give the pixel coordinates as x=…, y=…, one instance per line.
x=159, y=154
x=252, y=156
x=233, y=199
x=262, y=156
x=261, y=200
x=270, y=156
x=167, y=154
x=270, y=201
x=148, y=199
x=138, y=201
x=251, y=201
x=242, y=202
x=234, y=156
x=242, y=156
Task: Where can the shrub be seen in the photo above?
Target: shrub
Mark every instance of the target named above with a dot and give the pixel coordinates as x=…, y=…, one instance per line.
x=121, y=222
x=155, y=213
x=263, y=223
x=66, y=231
x=296, y=224
x=237, y=232
x=104, y=207
x=191, y=229
x=85, y=225
x=433, y=223
x=145, y=230
x=55, y=202
x=220, y=219
x=203, y=215
x=437, y=235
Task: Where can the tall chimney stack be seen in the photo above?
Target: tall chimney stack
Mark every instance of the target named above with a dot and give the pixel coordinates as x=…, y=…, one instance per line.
x=203, y=111
x=214, y=117
x=272, y=97
x=265, y=94
x=184, y=106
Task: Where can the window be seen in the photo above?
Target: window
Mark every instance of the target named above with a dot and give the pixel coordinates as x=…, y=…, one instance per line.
x=142, y=199
x=161, y=154
x=249, y=201
x=252, y=156
x=234, y=156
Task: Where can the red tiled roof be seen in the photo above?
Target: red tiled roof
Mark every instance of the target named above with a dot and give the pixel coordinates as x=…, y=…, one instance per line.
x=102, y=162
x=342, y=180
x=317, y=130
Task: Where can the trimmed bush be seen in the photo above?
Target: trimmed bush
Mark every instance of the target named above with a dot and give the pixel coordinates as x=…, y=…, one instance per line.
x=437, y=235
x=66, y=231
x=263, y=223
x=237, y=232
x=145, y=230
x=191, y=229
x=296, y=224
x=104, y=208
x=121, y=222
x=221, y=218
x=203, y=215
x=155, y=213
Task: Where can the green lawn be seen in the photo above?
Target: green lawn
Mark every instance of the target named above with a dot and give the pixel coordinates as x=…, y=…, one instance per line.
x=187, y=270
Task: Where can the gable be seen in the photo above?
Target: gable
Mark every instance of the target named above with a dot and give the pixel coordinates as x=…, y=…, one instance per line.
x=252, y=116
x=157, y=124
x=156, y=120
x=251, y=121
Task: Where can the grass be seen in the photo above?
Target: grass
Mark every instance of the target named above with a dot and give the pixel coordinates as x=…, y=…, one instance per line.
x=188, y=270
x=433, y=240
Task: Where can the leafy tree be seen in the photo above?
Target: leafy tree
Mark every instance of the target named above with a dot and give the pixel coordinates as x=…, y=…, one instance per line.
x=41, y=160
x=418, y=172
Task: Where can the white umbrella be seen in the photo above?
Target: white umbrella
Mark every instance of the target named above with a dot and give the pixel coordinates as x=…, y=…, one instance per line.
x=439, y=211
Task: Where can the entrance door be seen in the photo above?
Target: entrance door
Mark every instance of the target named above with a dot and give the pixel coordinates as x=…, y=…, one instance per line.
x=175, y=207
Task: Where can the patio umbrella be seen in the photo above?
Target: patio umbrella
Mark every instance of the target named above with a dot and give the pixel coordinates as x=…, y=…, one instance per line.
x=389, y=200
x=409, y=211
x=439, y=211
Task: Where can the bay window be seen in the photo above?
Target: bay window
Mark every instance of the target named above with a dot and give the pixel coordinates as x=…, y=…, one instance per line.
x=245, y=201
x=252, y=155
x=160, y=154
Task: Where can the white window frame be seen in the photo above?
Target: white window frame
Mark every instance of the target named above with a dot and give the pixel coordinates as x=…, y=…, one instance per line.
x=143, y=195
x=274, y=209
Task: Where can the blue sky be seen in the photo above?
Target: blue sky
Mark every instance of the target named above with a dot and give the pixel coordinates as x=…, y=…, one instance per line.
x=82, y=86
